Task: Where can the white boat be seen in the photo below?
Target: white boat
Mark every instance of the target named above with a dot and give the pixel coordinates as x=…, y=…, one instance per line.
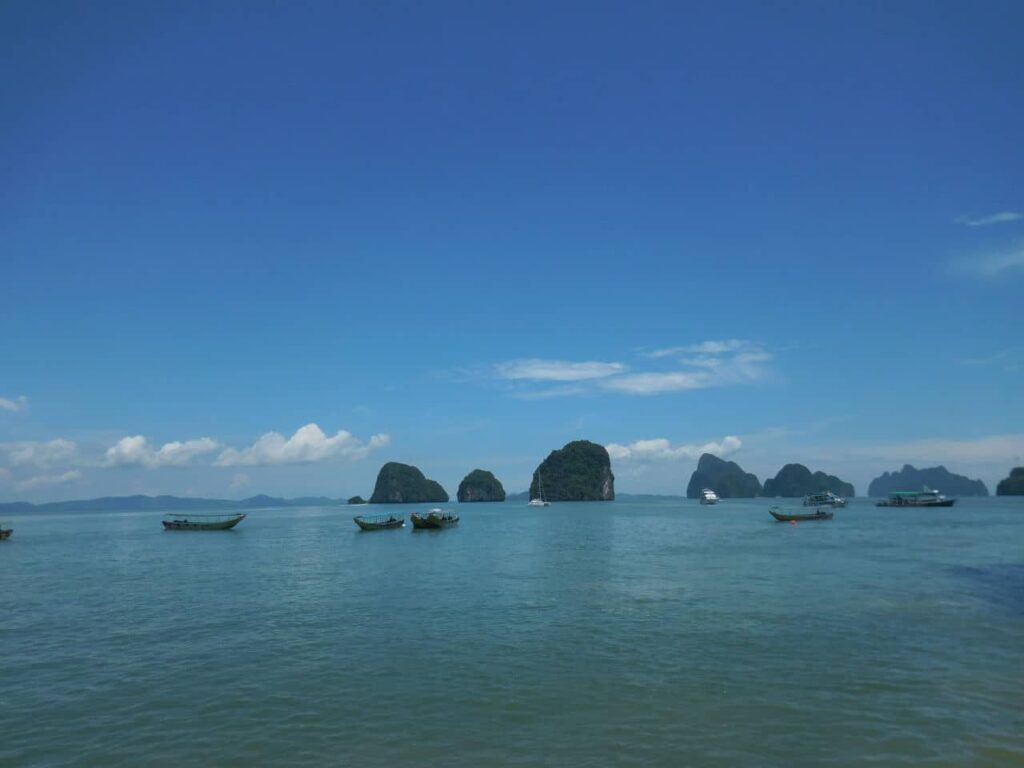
x=708, y=496
x=539, y=501
x=824, y=499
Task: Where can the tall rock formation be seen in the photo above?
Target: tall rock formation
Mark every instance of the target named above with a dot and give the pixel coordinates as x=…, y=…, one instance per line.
x=580, y=471
x=726, y=478
x=403, y=483
x=1012, y=485
x=796, y=480
x=480, y=485
x=937, y=478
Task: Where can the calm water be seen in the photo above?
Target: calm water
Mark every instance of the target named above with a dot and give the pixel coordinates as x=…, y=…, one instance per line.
x=651, y=634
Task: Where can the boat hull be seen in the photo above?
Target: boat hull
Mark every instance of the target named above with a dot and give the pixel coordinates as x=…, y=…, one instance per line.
x=6, y=533
x=939, y=503
x=185, y=524
x=433, y=522
x=796, y=517
x=379, y=525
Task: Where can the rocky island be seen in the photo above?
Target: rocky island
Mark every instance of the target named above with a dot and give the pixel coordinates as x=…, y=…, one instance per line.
x=357, y=500
x=1012, y=485
x=404, y=484
x=480, y=485
x=580, y=471
x=796, y=480
x=936, y=478
x=726, y=478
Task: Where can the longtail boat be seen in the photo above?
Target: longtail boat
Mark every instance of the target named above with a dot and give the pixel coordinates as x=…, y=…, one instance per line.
x=202, y=522
x=378, y=522
x=798, y=517
x=5, y=533
x=434, y=519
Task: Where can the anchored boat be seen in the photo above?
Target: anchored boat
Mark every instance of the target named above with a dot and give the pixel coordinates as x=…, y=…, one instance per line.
x=708, y=496
x=824, y=499
x=202, y=522
x=799, y=517
x=378, y=522
x=434, y=519
x=925, y=498
x=5, y=531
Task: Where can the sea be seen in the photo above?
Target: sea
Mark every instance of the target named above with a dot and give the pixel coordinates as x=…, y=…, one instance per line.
x=626, y=633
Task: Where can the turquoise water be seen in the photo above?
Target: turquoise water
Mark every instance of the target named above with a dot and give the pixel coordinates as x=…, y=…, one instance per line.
x=654, y=634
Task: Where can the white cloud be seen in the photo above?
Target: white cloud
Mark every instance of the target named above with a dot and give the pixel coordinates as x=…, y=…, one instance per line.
x=660, y=449
x=1002, y=217
x=993, y=264
x=704, y=348
x=136, y=451
x=15, y=405
x=41, y=480
x=308, y=444
x=555, y=370
x=657, y=383
x=39, y=454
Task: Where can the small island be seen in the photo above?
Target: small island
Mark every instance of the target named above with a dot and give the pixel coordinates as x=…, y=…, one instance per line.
x=726, y=478
x=796, y=480
x=1012, y=485
x=405, y=484
x=357, y=500
x=936, y=478
x=579, y=471
x=480, y=485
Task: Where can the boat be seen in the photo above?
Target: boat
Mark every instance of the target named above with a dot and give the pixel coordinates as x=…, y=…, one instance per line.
x=434, y=519
x=5, y=532
x=708, y=496
x=798, y=517
x=379, y=522
x=923, y=498
x=824, y=499
x=539, y=501
x=202, y=522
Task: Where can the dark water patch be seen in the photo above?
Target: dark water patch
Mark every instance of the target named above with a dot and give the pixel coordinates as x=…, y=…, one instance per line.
x=1001, y=585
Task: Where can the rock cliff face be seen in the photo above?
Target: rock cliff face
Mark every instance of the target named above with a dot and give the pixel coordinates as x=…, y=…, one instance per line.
x=404, y=484
x=726, y=478
x=480, y=485
x=1012, y=485
x=580, y=471
x=937, y=478
x=796, y=480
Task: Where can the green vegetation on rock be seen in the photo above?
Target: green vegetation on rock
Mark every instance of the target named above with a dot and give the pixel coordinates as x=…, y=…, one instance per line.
x=404, y=484
x=1012, y=485
x=480, y=485
x=726, y=478
x=357, y=500
x=796, y=480
x=580, y=471
x=936, y=478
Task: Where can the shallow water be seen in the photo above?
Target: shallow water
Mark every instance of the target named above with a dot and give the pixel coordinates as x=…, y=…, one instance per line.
x=654, y=634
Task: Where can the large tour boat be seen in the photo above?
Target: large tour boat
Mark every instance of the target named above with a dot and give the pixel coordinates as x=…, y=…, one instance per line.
x=824, y=499
x=925, y=498
x=708, y=496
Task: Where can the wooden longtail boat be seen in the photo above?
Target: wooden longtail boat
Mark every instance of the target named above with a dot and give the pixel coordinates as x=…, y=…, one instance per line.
x=378, y=522
x=202, y=522
x=5, y=533
x=434, y=519
x=797, y=517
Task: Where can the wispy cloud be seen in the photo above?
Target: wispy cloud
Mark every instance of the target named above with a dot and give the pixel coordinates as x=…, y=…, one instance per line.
x=39, y=454
x=136, y=451
x=672, y=369
x=1003, y=217
x=534, y=369
x=1008, y=358
x=660, y=449
x=991, y=264
x=41, y=480
x=14, y=405
x=308, y=444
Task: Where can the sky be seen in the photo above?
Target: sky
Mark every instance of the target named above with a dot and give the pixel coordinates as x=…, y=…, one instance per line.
x=266, y=247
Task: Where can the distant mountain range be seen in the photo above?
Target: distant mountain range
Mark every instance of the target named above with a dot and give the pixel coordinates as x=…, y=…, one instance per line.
x=119, y=503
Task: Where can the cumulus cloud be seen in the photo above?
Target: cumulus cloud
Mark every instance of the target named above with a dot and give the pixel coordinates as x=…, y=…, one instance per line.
x=660, y=449
x=39, y=454
x=308, y=444
x=991, y=264
x=41, y=480
x=136, y=451
x=555, y=370
x=15, y=405
x=1003, y=217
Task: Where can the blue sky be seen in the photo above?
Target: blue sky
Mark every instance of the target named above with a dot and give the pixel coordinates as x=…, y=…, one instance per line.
x=254, y=247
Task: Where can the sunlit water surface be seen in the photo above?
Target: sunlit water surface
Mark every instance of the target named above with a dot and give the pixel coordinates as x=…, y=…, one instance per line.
x=648, y=634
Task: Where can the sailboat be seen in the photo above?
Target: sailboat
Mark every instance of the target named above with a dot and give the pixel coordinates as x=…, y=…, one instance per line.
x=539, y=501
